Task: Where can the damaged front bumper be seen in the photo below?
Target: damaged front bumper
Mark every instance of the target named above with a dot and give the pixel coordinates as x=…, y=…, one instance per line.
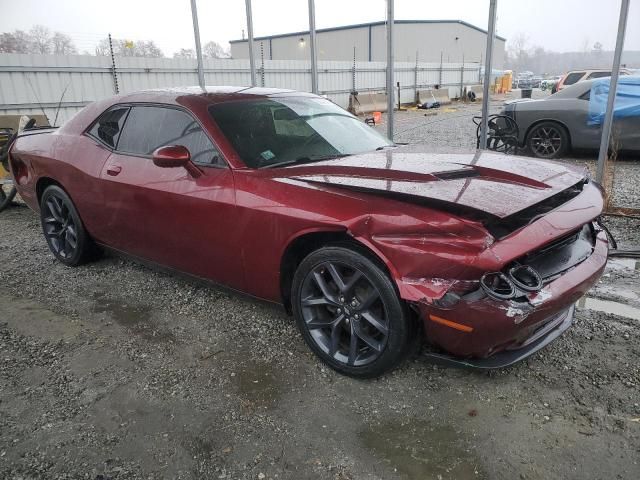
x=485, y=332
x=540, y=339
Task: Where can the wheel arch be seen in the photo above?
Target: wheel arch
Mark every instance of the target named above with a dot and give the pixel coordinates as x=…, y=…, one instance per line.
x=308, y=241
x=43, y=183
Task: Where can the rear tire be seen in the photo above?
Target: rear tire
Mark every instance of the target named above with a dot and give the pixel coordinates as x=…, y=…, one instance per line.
x=63, y=229
x=6, y=196
x=349, y=312
x=548, y=140
x=7, y=191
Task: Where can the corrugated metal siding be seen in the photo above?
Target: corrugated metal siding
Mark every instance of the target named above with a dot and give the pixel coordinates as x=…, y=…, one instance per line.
x=33, y=83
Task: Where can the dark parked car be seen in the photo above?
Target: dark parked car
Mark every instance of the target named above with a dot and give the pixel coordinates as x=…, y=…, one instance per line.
x=554, y=125
x=289, y=198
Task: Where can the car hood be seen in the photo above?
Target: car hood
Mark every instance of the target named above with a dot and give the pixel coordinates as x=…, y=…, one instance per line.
x=493, y=184
x=524, y=100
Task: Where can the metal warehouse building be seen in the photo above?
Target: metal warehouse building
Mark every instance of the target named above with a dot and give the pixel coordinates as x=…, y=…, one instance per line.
x=433, y=40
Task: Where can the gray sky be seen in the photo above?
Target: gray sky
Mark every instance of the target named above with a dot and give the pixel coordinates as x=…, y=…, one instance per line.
x=560, y=25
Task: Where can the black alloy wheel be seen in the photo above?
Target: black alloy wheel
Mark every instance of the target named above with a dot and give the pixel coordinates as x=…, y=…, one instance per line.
x=62, y=227
x=548, y=140
x=349, y=312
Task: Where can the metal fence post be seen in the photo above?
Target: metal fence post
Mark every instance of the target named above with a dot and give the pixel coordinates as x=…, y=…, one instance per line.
x=196, y=34
x=262, y=64
x=462, y=78
x=114, y=74
x=390, y=61
x=252, y=60
x=353, y=72
x=487, y=74
x=440, y=77
x=613, y=87
x=312, y=45
x=415, y=80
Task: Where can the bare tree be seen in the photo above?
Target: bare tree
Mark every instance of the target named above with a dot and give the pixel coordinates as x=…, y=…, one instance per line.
x=147, y=48
x=17, y=41
x=63, y=45
x=129, y=48
x=37, y=40
x=185, y=53
x=40, y=39
x=214, y=50
x=517, y=52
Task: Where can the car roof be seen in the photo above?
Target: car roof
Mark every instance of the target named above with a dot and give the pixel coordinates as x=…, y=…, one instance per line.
x=595, y=70
x=210, y=94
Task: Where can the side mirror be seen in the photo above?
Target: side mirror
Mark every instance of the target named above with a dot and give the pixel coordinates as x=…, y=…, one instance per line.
x=173, y=156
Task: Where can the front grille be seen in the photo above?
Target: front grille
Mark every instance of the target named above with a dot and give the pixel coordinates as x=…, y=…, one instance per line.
x=562, y=254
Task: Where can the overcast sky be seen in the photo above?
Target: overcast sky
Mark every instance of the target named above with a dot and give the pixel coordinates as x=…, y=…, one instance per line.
x=560, y=25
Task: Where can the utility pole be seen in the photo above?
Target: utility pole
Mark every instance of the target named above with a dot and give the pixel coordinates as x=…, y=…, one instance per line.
x=196, y=34
x=491, y=33
x=252, y=60
x=613, y=87
x=390, y=60
x=312, y=42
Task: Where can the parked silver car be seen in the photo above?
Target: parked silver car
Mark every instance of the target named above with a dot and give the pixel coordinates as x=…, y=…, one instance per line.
x=552, y=126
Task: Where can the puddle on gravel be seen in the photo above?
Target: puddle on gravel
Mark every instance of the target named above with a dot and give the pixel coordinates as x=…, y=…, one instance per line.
x=422, y=451
x=121, y=312
x=258, y=384
x=136, y=317
x=629, y=263
x=609, y=306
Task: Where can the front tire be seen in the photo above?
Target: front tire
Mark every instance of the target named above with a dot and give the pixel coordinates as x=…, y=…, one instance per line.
x=63, y=230
x=349, y=312
x=548, y=140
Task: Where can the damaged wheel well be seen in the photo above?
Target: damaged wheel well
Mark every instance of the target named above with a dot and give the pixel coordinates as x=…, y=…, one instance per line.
x=303, y=245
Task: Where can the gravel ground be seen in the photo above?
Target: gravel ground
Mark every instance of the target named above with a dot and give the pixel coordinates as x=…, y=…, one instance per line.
x=116, y=371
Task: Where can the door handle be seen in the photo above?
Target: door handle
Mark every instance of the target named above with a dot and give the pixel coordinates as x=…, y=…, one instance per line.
x=114, y=170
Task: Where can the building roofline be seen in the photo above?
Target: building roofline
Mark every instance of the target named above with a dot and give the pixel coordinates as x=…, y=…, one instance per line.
x=365, y=25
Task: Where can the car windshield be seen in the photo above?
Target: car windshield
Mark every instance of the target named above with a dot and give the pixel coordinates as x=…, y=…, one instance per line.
x=273, y=132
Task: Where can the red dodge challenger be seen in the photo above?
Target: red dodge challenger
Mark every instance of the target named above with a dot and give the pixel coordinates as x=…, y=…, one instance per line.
x=287, y=197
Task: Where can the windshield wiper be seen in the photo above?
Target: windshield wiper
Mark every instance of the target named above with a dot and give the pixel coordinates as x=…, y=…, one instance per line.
x=386, y=146
x=306, y=159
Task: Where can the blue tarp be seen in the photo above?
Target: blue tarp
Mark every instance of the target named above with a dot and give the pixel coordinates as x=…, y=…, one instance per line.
x=627, y=102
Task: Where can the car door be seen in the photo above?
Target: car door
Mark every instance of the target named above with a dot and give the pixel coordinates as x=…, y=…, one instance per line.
x=582, y=134
x=165, y=215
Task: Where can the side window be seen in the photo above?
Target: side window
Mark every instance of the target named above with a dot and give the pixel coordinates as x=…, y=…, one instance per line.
x=598, y=75
x=573, y=78
x=586, y=95
x=151, y=127
x=108, y=127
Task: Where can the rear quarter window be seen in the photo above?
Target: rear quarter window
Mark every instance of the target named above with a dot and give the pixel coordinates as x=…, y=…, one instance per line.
x=108, y=127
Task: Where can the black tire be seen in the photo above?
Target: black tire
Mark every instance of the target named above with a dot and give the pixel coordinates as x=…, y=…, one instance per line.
x=7, y=192
x=6, y=196
x=63, y=229
x=548, y=140
x=365, y=311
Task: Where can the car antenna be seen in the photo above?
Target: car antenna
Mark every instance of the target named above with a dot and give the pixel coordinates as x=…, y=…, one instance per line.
x=36, y=95
x=55, y=121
